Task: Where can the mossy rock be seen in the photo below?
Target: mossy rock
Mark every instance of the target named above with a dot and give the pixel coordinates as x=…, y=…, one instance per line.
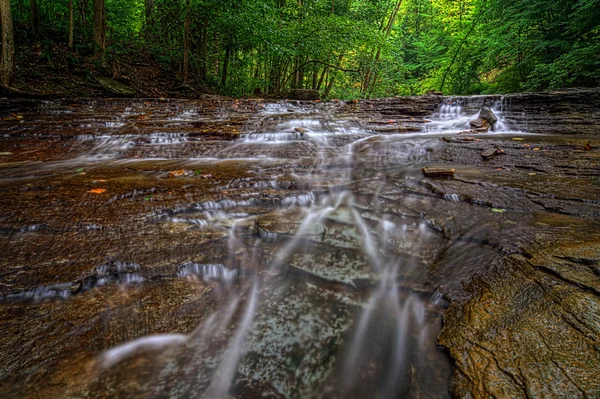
x=115, y=87
x=304, y=94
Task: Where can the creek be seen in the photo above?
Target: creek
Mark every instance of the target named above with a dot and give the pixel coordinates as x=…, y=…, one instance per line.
x=251, y=249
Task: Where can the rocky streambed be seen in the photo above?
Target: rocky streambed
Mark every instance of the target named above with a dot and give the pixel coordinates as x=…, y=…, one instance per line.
x=296, y=249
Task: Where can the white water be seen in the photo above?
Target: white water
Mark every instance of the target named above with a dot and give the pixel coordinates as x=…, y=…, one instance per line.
x=331, y=214
x=455, y=113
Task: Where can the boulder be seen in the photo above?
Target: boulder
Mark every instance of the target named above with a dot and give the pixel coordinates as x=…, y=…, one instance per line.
x=304, y=94
x=488, y=115
x=114, y=87
x=485, y=120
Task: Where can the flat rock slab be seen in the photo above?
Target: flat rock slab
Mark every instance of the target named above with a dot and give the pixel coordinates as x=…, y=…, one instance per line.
x=530, y=328
x=439, y=172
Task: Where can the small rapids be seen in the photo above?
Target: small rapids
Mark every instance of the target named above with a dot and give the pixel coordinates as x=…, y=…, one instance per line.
x=455, y=113
x=315, y=272
x=382, y=335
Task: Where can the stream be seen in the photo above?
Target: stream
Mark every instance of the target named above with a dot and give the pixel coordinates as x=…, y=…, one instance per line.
x=247, y=249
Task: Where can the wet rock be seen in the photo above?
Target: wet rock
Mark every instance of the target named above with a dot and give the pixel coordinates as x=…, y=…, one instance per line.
x=115, y=87
x=439, y=172
x=180, y=173
x=510, y=296
x=530, y=328
x=570, y=111
x=479, y=124
x=304, y=94
x=484, y=121
x=488, y=115
x=491, y=152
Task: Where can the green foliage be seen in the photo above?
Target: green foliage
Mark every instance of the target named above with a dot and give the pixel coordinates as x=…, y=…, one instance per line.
x=343, y=47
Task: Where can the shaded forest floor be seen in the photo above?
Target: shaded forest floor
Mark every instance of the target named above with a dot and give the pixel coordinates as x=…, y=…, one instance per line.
x=52, y=70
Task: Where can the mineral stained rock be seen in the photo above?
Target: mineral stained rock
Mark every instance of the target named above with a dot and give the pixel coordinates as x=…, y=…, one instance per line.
x=531, y=327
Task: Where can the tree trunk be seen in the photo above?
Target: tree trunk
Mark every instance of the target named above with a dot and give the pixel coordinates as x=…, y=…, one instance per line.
x=82, y=9
x=296, y=80
x=330, y=84
x=325, y=70
x=225, y=65
x=71, y=14
x=204, y=48
x=186, y=44
x=301, y=78
x=99, y=27
x=20, y=10
x=7, y=64
x=216, y=65
x=148, y=8
x=149, y=21
x=35, y=23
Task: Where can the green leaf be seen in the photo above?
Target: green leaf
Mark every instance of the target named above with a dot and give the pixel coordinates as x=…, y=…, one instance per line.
x=498, y=210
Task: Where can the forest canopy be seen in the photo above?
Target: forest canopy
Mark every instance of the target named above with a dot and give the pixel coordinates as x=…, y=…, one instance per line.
x=343, y=48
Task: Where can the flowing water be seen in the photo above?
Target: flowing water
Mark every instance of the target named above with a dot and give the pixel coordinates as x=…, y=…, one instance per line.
x=455, y=113
x=384, y=333
x=324, y=270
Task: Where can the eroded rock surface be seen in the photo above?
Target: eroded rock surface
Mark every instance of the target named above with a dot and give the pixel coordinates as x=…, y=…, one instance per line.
x=299, y=251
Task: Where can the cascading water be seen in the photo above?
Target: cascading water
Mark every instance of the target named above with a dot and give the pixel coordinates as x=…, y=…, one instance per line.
x=455, y=113
x=239, y=249
x=335, y=234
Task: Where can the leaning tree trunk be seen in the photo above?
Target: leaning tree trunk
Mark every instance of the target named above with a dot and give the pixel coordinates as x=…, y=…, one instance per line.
x=7, y=64
x=99, y=27
x=71, y=20
x=35, y=22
